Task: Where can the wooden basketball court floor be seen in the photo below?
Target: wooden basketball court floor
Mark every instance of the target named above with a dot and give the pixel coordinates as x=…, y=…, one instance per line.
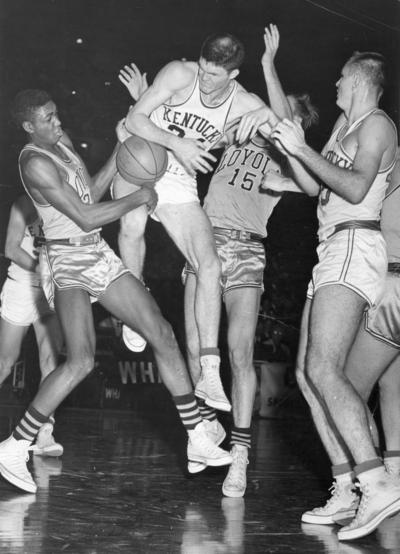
x=122, y=487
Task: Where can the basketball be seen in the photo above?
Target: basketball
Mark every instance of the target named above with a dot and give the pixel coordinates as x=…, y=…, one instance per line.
x=140, y=161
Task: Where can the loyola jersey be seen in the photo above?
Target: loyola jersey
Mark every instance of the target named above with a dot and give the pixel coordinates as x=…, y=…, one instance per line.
x=390, y=221
x=195, y=120
x=234, y=199
x=332, y=208
x=18, y=273
x=56, y=225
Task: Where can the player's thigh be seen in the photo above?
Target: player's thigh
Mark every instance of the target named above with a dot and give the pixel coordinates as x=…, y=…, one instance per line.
x=191, y=230
x=133, y=222
x=390, y=379
x=128, y=299
x=75, y=315
x=367, y=361
x=11, y=337
x=335, y=317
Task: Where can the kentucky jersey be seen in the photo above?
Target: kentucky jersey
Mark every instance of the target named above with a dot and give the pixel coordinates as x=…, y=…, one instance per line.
x=18, y=273
x=234, y=199
x=195, y=120
x=390, y=221
x=332, y=208
x=56, y=225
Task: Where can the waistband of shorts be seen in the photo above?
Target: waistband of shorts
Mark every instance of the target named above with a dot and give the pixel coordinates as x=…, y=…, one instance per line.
x=370, y=224
x=80, y=240
x=394, y=267
x=236, y=234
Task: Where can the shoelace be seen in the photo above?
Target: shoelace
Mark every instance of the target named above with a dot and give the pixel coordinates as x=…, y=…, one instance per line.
x=237, y=471
x=365, y=494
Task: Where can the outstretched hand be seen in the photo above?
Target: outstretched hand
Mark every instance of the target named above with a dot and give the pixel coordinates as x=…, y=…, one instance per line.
x=251, y=122
x=290, y=135
x=271, y=41
x=134, y=80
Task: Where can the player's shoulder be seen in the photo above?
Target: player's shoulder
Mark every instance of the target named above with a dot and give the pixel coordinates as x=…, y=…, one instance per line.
x=379, y=118
x=245, y=101
x=178, y=72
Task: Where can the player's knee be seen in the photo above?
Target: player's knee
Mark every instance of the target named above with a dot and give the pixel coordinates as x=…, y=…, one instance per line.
x=81, y=365
x=241, y=357
x=209, y=268
x=132, y=225
x=161, y=335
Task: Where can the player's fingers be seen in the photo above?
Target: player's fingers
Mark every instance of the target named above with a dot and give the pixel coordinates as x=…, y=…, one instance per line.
x=135, y=68
x=208, y=156
x=202, y=165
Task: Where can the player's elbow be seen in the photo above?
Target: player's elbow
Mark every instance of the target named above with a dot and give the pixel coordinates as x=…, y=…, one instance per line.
x=88, y=225
x=134, y=122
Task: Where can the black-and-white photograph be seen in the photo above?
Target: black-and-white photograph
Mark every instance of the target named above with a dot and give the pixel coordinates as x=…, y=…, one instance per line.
x=199, y=277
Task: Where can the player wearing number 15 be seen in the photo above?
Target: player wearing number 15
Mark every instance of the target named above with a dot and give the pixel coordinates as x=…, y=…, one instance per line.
x=187, y=110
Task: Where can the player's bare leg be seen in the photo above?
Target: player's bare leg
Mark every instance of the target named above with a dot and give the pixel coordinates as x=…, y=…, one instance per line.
x=343, y=501
x=132, y=248
x=49, y=340
x=242, y=311
x=190, y=229
x=215, y=430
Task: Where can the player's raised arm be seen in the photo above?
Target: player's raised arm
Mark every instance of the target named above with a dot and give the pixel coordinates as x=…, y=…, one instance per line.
x=277, y=98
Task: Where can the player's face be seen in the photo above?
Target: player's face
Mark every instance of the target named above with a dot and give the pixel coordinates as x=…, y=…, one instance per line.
x=46, y=127
x=344, y=88
x=212, y=77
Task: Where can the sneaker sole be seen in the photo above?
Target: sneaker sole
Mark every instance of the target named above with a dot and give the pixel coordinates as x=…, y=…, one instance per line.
x=49, y=451
x=318, y=520
x=198, y=467
x=213, y=462
x=16, y=481
x=218, y=405
x=348, y=535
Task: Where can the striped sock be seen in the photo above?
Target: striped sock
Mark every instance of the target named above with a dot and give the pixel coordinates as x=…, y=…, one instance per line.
x=241, y=435
x=206, y=411
x=28, y=427
x=188, y=410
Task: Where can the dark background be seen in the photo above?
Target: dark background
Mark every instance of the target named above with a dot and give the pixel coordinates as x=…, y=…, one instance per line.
x=39, y=49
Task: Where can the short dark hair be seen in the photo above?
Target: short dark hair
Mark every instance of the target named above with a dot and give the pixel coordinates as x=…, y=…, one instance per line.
x=224, y=50
x=306, y=110
x=372, y=65
x=26, y=102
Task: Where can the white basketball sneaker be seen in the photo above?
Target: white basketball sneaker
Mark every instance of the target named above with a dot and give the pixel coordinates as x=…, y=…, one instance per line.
x=235, y=482
x=202, y=449
x=132, y=340
x=217, y=434
x=13, y=458
x=380, y=499
x=342, y=504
